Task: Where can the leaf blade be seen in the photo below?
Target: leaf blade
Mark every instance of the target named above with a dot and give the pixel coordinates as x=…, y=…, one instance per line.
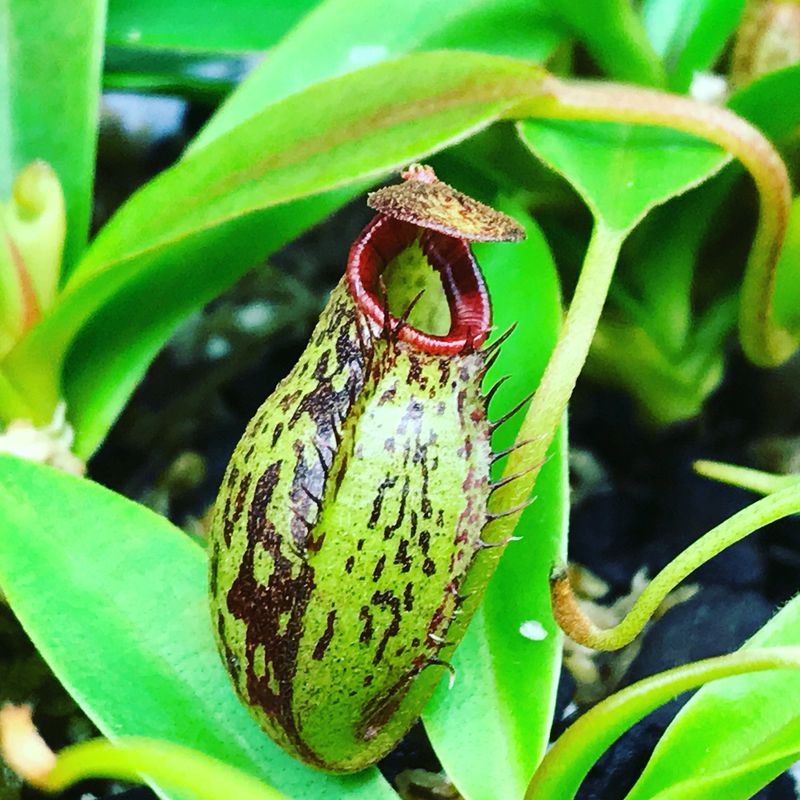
x=324, y=43
x=245, y=25
x=689, y=35
x=79, y=563
x=50, y=64
x=618, y=168
x=613, y=32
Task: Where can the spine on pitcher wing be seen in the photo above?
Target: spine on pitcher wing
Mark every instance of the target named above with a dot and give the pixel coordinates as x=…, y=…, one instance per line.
x=352, y=508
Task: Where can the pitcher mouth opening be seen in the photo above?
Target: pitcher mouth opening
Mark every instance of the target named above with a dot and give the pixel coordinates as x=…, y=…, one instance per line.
x=470, y=311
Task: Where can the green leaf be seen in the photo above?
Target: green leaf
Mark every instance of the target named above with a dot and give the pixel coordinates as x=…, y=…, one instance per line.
x=519, y=28
x=772, y=103
x=114, y=598
x=733, y=722
x=743, y=780
x=614, y=35
x=190, y=48
x=689, y=35
x=492, y=727
x=193, y=230
x=50, y=61
x=619, y=169
x=326, y=45
x=98, y=379
x=593, y=163
x=240, y=25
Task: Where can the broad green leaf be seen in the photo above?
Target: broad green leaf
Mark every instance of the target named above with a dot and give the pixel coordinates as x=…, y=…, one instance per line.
x=340, y=36
x=50, y=63
x=114, y=598
x=205, y=25
x=492, y=727
x=689, y=35
x=192, y=49
x=733, y=722
x=613, y=33
x=98, y=379
x=619, y=169
x=193, y=230
x=519, y=28
x=772, y=103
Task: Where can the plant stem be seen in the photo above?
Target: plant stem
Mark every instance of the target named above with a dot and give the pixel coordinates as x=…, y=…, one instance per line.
x=168, y=764
x=763, y=339
x=12, y=403
x=753, y=479
x=581, y=629
x=566, y=764
x=551, y=398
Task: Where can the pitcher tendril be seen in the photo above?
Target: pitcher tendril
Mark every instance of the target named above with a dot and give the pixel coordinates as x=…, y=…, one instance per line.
x=355, y=506
x=581, y=629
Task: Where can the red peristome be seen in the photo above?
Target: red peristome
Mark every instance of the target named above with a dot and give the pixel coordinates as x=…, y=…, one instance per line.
x=470, y=311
